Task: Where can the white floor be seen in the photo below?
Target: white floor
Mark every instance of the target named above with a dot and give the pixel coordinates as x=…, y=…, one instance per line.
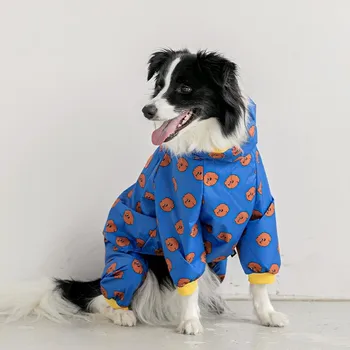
x=316, y=326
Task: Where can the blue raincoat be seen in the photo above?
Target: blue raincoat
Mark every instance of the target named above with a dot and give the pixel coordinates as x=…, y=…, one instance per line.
x=196, y=209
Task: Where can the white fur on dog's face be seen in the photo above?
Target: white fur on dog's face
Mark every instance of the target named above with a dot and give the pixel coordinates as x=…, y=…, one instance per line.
x=165, y=110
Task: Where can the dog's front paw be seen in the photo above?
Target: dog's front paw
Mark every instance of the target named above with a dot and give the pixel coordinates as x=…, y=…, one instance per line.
x=273, y=319
x=191, y=327
x=125, y=318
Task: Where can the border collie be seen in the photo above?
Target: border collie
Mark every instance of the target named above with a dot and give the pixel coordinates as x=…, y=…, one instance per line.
x=197, y=106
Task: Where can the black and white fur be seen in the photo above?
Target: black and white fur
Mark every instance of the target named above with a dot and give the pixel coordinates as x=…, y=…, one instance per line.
x=206, y=84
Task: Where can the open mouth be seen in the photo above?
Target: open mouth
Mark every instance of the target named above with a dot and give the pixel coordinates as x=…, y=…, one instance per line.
x=169, y=129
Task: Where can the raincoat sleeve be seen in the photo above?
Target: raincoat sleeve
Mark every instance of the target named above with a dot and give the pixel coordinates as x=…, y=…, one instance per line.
x=178, y=196
x=258, y=247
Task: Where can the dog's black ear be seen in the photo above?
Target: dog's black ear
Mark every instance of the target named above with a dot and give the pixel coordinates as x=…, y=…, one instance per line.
x=157, y=60
x=232, y=95
x=223, y=73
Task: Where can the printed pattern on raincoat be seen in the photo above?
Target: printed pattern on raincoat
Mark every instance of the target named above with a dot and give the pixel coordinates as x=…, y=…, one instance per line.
x=196, y=209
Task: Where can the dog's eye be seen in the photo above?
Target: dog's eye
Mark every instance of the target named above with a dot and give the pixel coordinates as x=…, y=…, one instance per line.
x=184, y=89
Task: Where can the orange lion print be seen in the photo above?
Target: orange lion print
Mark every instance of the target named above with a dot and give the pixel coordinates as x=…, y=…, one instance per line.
x=111, y=268
x=250, y=194
x=241, y=218
x=189, y=257
x=207, y=247
x=219, y=258
x=256, y=215
x=122, y=241
x=236, y=151
x=148, y=161
x=169, y=264
x=111, y=226
x=245, y=160
x=130, y=193
x=257, y=156
x=189, y=200
x=137, y=266
x=198, y=172
x=255, y=267
x=119, y=295
x=182, y=164
x=142, y=180
x=182, y=282
x=224, y=236
x=128, y=217
x=194, y=231
x=270, y=210
x=179, y=227
x=159, y=252
x=216, y=155
x=221, y=210
x=152, y=233
x=264, y=239
x=166, y=160
x=140, y=243
x=204, y=257
x=172, y=244
x=118, y=274
x=116, y=202
x=167, y=204
x=210, y=178
x=104, y=292
x=232, y=181
x=150, y=196
x=174, y=184
x=138, y=207
x=260, y=188
x=252, y=131
x=274, y=269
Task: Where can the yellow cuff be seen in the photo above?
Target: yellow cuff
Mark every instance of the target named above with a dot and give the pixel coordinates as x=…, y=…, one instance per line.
x=217, y=150
x=112, y=303
x=261, y=278
x=188, y=289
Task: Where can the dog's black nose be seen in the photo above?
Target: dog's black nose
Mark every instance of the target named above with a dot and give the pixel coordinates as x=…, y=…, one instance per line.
x=149, y=111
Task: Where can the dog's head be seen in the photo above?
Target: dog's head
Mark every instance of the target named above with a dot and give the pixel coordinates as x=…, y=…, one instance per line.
x=197, y=102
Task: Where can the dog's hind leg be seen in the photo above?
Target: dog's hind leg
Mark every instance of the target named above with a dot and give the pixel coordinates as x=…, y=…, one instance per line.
x=123, y=274
x=121, y=317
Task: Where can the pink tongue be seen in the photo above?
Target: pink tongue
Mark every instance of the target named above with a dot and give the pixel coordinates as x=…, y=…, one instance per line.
x=166, y=129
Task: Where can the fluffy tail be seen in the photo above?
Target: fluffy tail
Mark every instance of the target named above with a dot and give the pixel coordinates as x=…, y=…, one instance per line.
x=155, y=302
x=53, y=299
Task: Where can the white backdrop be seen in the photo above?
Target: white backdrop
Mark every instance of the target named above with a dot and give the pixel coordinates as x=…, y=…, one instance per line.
x=72, y=85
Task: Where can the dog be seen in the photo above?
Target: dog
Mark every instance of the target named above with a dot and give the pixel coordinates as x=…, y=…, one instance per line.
x=202, y=117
